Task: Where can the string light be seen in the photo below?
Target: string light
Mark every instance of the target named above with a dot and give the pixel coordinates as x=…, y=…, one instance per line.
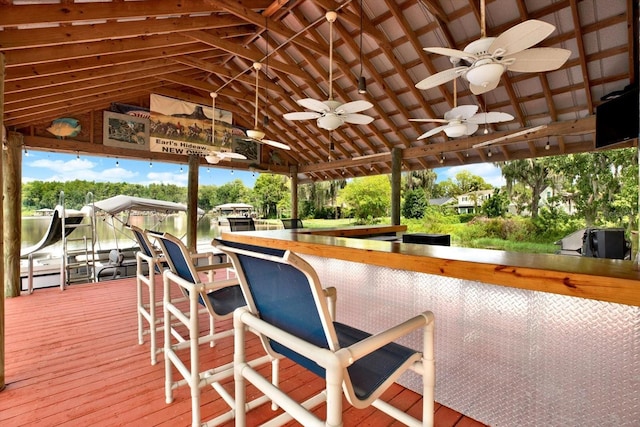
x=78, y=155
x=547, y=147
x=117, y=163
x=150, y=164
x=26, y=154
x=489, y=153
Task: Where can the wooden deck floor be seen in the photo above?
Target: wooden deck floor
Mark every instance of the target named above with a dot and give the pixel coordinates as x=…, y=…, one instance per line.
x=72, y=358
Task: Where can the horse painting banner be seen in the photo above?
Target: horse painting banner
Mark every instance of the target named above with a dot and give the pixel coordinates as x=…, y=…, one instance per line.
x=184, y=128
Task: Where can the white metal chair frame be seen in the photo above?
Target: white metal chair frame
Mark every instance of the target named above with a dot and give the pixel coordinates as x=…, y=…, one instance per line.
x=335, y=360
x=191, y=375
x=152, y=256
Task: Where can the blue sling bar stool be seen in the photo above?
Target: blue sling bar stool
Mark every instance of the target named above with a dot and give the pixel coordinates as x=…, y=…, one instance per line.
x=287, y=306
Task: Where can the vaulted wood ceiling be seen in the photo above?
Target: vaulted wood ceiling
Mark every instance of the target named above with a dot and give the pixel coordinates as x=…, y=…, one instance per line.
x=66, y=58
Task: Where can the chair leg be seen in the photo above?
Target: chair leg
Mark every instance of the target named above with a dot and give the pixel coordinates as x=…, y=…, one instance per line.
x=194, y=381
x=152, y=315
x=168, y=379
x=238, y=365
x=334, y=395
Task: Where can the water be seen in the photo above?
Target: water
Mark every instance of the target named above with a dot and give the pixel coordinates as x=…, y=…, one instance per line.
x=109, y=237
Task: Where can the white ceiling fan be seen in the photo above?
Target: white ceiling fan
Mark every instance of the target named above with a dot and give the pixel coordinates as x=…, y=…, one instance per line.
x=462, y=120
x=256, y=134
x=212, y=156
x=489, y=57
x=331, y=114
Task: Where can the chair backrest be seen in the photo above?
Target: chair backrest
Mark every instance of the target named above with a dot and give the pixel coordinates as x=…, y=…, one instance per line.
x=241, y=224
x=178, y=257
x=285, y=291
x=143, y=241
x=292, y=223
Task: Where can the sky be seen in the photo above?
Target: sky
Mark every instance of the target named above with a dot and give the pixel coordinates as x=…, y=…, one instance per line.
x=47, y=166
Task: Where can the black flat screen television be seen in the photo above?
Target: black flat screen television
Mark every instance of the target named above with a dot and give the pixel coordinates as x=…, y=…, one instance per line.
x=617, y=119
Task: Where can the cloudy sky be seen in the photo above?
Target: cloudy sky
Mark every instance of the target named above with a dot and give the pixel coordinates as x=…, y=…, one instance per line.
x=46, y=166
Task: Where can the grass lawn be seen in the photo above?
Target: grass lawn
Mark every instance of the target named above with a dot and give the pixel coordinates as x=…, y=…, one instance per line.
x=454, y=229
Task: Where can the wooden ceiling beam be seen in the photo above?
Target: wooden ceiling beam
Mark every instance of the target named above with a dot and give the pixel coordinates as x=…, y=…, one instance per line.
x=11, y=39
x=251, y=54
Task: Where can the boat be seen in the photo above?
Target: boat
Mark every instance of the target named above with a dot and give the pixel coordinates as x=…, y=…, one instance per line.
x=84, y=262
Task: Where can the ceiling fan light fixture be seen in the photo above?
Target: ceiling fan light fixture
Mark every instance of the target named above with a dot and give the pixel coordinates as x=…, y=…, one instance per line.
x=456, y=130
x=255, y=134
x=329, y=122
x=485, y=74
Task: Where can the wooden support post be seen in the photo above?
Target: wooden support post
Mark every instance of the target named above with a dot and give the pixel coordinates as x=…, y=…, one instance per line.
x=294, y=191
x=12, y=188
x=192, y=203
x=2, y=381
x=396, y=179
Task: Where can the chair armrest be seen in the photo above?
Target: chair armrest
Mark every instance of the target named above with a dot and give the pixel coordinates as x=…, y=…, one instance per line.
x=219, y=284
x=331, y=294
x=209, y=267
x=368, y=345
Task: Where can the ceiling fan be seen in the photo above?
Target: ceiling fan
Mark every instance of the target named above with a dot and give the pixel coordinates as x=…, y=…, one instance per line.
x=255, y=134
x=331, y=114
x=489, y=57
x=212, y=156
x=463, y=120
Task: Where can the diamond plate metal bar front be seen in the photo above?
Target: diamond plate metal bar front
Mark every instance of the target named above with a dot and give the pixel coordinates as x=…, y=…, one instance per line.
x=505, y=356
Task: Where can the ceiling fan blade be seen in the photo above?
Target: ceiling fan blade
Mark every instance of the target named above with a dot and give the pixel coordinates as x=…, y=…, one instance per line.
x=212, y=159
x=441, y=78
x=537, y=60
x=276, y=144
x=461, y=112
x=479, y=90
x=314, y=105
x=356, y=119
x=490, y=117
x=302, y=115
x=455, y=53
x=521, y=37
x=471, y=128
x=432, y=132
x=230, y=155
x=353, y=107
x=429, y=120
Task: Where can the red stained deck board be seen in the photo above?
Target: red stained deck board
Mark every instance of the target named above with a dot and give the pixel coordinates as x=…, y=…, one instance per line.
x=72, y=358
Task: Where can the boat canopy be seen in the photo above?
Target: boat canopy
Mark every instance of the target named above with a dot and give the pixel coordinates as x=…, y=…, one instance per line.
x=116, y=204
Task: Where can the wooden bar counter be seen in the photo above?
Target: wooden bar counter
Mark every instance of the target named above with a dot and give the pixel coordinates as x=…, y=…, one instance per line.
x=600, y=279
x=521, y=339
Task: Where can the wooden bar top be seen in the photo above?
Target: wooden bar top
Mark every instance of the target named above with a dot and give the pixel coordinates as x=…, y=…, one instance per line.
x=593, y=278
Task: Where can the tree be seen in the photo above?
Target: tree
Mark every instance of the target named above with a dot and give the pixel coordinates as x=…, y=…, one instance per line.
x=532, y=172
x=497, y=205
x=415, y=203
x=424, y=179
x=369, y=197
x=233, y=192
x=604, y=184
x=464, y=182
x=269, y=190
